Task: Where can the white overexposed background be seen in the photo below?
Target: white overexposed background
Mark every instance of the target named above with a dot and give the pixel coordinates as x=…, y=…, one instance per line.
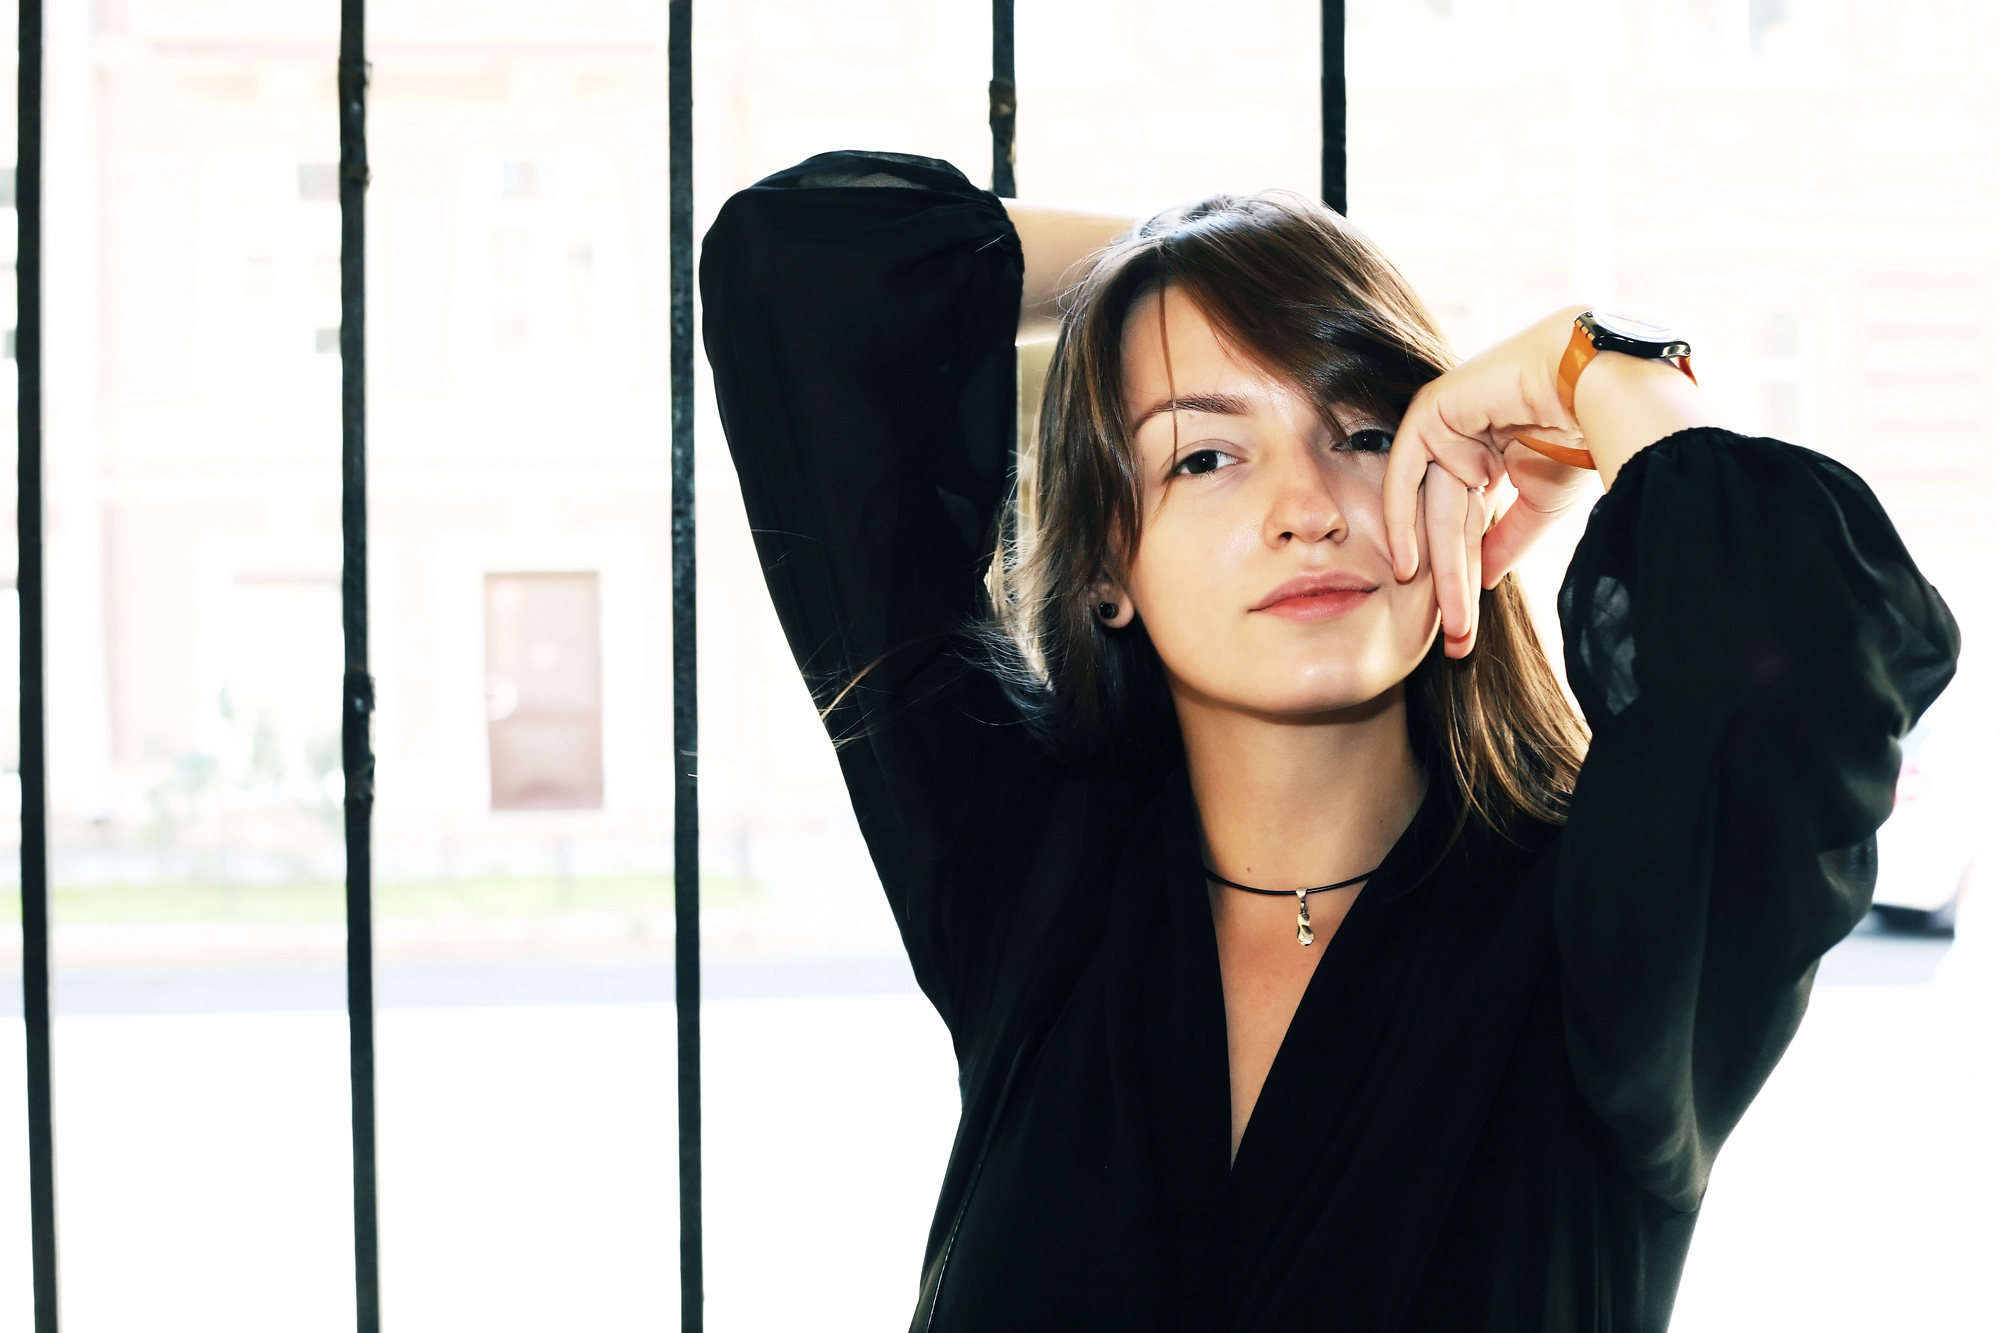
x=1807, y=186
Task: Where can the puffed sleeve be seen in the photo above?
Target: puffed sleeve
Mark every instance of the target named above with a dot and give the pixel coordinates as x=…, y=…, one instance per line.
x=1749, y=640
x=859, y=314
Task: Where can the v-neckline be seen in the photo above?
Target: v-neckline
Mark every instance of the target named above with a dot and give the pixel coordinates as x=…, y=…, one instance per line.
x=1321, y=1058
x=1166, y=1033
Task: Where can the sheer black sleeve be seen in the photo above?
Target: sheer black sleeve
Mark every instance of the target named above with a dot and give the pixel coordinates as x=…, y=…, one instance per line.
x=1749, y=640
x=859, y=315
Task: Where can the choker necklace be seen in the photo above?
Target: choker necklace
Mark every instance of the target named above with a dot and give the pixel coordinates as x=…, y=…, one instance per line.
x=1305, y=917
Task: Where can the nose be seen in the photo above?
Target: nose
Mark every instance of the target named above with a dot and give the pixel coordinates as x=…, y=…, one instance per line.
x=1304, y=505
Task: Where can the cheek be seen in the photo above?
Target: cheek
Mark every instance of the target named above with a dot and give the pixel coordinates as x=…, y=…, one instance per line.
x=1361, y=502
x=1358, y=488
x=1199, y=566
x=1186, y=575
x=1414, y=616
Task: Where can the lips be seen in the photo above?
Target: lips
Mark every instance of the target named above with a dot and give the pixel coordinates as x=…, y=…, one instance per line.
x=1316, y=596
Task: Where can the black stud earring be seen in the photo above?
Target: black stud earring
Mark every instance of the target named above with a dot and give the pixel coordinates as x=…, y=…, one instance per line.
x=1107, y=610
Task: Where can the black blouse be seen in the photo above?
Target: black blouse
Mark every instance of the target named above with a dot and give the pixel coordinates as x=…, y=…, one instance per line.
x=1498, y=1101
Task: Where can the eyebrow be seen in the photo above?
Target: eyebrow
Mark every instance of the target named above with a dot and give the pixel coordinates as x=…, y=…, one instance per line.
x=1215, y=404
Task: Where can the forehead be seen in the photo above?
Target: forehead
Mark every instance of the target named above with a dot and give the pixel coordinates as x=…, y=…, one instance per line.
x=1169, y=338
x=1174, y=357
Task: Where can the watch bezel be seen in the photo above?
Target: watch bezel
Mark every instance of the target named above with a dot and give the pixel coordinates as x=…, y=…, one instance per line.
x=1648, y=349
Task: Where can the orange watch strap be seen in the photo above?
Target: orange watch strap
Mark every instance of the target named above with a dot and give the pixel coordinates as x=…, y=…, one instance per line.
x=1580, y=352
x=1575, y=357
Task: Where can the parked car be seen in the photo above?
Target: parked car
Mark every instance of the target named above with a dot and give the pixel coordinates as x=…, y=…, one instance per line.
x=1928, y=847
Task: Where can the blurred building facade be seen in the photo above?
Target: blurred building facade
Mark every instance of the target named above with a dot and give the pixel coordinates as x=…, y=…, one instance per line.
x=1806, y=185
x=518, y=428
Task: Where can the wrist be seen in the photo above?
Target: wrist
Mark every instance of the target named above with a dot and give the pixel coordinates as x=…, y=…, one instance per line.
x=1624, y=403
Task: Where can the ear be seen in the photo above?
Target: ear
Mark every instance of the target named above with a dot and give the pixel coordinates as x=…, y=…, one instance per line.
x=1106, y=591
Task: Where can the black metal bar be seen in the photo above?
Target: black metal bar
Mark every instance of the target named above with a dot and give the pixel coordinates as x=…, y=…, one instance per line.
x=687, y=807
x=1000, y=98
x=357, y=694
x=28, y=582
x=1333, y=104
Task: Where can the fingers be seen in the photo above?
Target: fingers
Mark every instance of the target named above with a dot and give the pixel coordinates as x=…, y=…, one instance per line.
x=1477, y=510
x=1408, y=459
x=1425, y=440
x=1463, y=419
x=1548, y=493
x=1453, y=517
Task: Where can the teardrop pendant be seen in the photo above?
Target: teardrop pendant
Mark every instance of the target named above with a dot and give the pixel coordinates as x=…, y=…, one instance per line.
x=1305, y=921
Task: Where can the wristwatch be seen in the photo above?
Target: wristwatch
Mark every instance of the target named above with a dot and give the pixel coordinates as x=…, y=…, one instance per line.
x=1607, y=331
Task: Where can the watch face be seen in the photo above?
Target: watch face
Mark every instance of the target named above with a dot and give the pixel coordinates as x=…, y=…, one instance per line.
x=1634, y=332
x=1637, y=325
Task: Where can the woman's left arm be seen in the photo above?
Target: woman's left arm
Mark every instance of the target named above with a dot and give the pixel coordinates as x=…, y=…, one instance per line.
x=1749, y=639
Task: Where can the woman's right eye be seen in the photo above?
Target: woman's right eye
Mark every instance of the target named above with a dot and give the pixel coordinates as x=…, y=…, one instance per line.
x=1202, y=461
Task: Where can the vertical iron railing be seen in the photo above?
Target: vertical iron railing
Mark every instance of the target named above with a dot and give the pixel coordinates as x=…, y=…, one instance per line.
x=28, y=584
x=1000, y=99
x=357, y=693
x=1333, y=104
x=687, y=809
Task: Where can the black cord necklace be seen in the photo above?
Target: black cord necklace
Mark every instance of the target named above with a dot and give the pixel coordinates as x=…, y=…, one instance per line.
x=1305, y=917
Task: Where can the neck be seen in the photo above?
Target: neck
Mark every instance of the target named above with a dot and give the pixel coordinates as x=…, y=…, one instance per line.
x=1296, y=802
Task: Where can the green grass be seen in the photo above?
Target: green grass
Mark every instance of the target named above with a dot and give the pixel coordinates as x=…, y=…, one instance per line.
x=421, y=899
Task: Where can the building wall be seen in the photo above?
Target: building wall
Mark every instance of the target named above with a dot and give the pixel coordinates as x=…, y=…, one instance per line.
x=1807, y=186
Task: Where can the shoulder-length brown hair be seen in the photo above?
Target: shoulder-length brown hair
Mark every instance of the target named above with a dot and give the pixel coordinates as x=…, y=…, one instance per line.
x=1300, y=292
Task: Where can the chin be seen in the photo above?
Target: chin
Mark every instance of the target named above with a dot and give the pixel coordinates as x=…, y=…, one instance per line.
x=1304, y=682
x=1314, y=696
x=1324, y=703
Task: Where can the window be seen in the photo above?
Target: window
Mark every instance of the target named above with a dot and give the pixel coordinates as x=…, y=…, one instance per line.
x=1819, y=210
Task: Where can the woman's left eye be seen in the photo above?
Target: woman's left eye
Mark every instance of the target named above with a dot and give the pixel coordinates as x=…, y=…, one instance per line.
x=1199, y=462
x=1372, y=440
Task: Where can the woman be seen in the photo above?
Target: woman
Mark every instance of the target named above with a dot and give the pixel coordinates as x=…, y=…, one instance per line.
x=1302, y=971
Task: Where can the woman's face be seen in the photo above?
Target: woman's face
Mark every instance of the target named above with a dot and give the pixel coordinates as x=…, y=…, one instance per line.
x=1262, y=571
